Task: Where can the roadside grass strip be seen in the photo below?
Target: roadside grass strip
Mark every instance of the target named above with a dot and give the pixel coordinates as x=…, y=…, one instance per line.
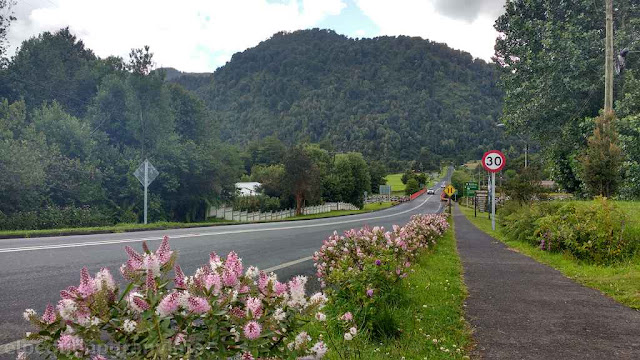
x=620, y=281
x=430, y=320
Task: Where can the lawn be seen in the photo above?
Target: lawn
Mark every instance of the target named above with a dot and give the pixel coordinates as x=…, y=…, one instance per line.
x=621, y=281
x=432, y=319
x=395, y=180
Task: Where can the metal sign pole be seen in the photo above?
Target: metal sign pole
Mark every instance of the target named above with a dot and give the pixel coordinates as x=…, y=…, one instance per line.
x=146, y=176
x=493, y=201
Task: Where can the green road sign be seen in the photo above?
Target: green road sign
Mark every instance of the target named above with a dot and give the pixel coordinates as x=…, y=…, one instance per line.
x=471, y=185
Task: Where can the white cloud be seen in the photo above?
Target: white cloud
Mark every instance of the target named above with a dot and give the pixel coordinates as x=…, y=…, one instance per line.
x=191, y=35
x=420, y=18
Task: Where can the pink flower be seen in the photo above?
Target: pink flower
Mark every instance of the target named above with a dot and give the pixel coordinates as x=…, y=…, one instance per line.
x=104, y=279
x=70, y=343
x=198, y=305
x=252, y=330
x=179, y=279
x=150, y=282
x=229, y=278
x=137, y=302
x=247, y=356
x=370, y=292
x=135, y=259
x=346, y=316
x=169, y=304
x=86, y=287
x=254, y=307
x=49, y=316
x=233, y=264
x=213, y=281
x=179, y=339
x=98, y=357
x=280, y=288
x=164, y=251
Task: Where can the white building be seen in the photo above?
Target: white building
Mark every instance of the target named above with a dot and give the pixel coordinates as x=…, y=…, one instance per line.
x=248, y=188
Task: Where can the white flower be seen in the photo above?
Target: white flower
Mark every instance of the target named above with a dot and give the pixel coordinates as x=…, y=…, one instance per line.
x=95, y=321
x=252, y=272
x=27, y=334
x=353, y=330
x=28, y=314
x=319, y=349
x=104, y=277
x=66, y=308
x=318, y=298
x=348, y=336
x=302, y=338
x=321, y=316
x=151, y=263
x=279, y=314
x=129, y=326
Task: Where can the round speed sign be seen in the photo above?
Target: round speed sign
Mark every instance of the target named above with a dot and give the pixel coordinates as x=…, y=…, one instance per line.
x=493, y=161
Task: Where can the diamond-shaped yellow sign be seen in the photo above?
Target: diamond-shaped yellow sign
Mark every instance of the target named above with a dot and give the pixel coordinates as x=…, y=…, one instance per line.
x=449, y=190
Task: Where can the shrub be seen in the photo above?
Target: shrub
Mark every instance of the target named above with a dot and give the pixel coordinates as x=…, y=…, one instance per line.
x=594, y=232
x=219, y=312
x=412, y=186
x=54, y=217
x=362, y=268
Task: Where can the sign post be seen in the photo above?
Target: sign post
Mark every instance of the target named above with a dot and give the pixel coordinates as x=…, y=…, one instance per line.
x=146, y=173
x=449, y=190
x=493, y=161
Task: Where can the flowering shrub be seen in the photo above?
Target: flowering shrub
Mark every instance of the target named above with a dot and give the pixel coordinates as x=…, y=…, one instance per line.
x=362, y=268
x=220, y=312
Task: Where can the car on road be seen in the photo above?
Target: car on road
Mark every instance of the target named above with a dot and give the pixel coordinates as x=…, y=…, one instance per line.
x=442, y=186
x=431, y=191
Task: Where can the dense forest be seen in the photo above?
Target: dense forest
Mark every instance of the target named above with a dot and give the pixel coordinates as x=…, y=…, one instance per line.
x=391, y=98
x=74, y=126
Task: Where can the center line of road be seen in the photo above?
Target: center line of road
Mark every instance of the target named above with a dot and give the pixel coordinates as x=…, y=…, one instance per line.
x=123, y=241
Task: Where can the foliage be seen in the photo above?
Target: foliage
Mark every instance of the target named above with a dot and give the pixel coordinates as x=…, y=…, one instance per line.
x=353, y=179
x=386, y=97
x=55, y=218
x=525, y=186
x=301, y=177
x=220, y=311
x=458, y=180
x=363, y=268
x=378, y=174
x=412, y=186
x=262, y=203
x=594, y=232
x=6, y=17
x=270, y=177
x=602, y=160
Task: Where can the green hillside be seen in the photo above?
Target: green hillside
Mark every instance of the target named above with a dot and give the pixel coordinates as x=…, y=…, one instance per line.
x=398, y=98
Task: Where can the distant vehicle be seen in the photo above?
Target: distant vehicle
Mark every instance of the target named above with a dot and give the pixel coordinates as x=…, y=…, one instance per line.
x=442, y=186
x=431, y=191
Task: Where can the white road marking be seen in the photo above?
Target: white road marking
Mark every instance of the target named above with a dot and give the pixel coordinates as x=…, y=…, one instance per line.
x=124, y=241
x=19, y=344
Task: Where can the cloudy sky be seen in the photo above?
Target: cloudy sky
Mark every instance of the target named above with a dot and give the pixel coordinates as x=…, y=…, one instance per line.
x=201, y=35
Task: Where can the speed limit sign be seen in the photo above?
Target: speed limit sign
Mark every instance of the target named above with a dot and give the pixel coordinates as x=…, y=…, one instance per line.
x=493, y=161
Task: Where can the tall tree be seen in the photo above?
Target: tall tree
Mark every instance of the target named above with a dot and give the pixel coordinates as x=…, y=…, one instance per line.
x=301, y=178
x=602, y=160
x=6, y=17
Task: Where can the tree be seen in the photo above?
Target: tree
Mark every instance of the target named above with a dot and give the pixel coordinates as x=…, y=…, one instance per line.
x=301, y=177
x=524, y=186
x=271, y=177
x=140, y=61
x=6, y=17
x=378, y=174
x=353, y=178
x=412, y=187
x=602, y=160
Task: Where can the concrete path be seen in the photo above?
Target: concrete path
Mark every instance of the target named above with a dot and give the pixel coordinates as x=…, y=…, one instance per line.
x=521, y=309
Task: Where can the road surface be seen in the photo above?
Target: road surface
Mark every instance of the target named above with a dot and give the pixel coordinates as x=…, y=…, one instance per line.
x=33, y=271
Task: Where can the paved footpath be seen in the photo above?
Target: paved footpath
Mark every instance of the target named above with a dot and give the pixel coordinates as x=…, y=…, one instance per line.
x=521, y=309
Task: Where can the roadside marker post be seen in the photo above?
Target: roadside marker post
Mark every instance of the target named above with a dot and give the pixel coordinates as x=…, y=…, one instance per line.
x=493, y=161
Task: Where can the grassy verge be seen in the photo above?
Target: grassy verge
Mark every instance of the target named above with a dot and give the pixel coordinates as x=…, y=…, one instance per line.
x=395, y=180
x=367, y=208
x=121, y=228
x=431, y=320
x=621, y=281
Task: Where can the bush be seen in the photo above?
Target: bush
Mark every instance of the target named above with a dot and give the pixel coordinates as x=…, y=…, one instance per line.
x=53, y=217
x=221, y=312
x=594, y=232
x=262, y=203
x=362, y=269
x=412, y=186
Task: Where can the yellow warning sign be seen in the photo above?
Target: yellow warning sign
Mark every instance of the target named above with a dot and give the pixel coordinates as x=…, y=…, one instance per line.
x=449, y=190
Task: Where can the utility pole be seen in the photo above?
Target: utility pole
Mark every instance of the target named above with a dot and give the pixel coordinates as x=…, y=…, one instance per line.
x=608, y=64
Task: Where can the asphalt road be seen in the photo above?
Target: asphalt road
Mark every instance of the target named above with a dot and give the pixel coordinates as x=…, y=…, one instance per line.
x=33, y=271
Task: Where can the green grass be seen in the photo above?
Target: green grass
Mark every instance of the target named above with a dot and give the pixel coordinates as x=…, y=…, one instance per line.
x=395, y=180
x=621, y=281
x=119, y=228
x=367, y=208
x=433, y=311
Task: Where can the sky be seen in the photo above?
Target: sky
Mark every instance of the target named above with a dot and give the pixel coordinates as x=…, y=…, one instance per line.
x=202, y=35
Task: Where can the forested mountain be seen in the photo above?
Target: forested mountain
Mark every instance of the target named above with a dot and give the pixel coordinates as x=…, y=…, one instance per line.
x=388, y=97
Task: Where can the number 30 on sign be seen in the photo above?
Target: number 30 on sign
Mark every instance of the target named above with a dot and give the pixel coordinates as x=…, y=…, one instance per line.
x=493, y=161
